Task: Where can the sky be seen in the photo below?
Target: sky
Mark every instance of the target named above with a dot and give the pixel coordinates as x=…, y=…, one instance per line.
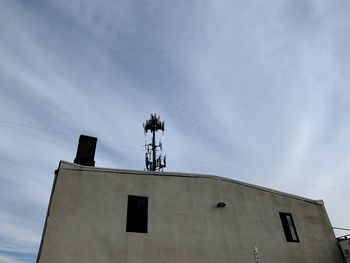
x=256, y=91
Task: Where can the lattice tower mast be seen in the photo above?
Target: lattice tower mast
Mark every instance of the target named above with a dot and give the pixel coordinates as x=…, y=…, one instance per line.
x=154, y=162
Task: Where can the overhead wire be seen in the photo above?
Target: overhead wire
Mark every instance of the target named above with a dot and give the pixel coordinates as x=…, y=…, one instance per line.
x=63, y=133
x=341, y=228
x=184, y=158
x=260, y=174
x=180, y=157
x=35, y=128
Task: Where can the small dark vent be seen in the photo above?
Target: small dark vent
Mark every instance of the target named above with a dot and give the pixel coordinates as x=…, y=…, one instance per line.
x=86, y=150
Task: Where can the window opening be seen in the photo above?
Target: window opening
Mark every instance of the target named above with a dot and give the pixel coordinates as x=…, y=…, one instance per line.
x=289, y=227
x=137, y=214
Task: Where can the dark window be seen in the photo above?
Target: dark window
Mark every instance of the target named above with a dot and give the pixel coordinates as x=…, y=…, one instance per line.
x=289, y=227
x=137, y=214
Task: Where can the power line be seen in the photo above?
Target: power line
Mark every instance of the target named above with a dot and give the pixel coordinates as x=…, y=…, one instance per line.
x=341, y=228
x=121, y=145
x=258, y=173
x=35, y=128
x=184, y=158
x=63, y=133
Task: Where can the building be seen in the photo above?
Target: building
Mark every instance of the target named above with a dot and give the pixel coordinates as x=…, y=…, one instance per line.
x=113, y=215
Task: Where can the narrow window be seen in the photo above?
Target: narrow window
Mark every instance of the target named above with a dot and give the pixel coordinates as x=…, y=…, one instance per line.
x=137, y=216
x=289, y=228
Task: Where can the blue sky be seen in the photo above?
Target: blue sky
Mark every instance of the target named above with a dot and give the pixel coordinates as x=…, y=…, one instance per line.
x=254, y=91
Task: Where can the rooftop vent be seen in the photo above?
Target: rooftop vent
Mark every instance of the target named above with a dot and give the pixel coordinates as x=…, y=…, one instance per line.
x=86, y=150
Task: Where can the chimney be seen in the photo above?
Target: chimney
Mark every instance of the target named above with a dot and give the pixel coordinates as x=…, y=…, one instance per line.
x=86, y=150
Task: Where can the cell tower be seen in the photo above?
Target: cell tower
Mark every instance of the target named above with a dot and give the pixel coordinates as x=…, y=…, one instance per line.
x=154, y=162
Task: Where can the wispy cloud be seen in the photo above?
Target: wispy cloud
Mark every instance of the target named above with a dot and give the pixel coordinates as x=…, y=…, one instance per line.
x=261, y=87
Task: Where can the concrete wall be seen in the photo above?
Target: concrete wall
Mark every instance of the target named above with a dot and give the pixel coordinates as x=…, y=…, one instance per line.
x=88, y=209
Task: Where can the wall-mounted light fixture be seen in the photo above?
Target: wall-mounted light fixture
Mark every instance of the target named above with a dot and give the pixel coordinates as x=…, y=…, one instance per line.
x=220, y=204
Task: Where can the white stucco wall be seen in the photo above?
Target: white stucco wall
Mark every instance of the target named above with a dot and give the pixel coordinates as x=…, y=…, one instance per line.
x=87, y=220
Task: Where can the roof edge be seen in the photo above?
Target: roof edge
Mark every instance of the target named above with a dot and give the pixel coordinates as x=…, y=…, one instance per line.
x=68, y=165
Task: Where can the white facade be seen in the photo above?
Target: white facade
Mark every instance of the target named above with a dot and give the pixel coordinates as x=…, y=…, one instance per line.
x=88, y=213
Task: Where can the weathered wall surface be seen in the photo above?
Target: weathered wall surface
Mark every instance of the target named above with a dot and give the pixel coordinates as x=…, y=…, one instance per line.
x=87, y=221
